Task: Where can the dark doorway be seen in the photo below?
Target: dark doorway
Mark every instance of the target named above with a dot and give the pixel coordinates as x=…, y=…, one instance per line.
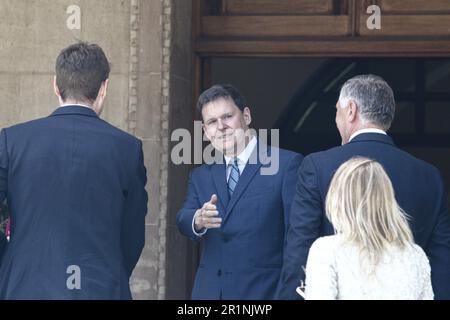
x=298, y=96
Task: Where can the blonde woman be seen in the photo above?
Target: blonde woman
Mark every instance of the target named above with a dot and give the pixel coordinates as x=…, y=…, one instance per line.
x=372, y=255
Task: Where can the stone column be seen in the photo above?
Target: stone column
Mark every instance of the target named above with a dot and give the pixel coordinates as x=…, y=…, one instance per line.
x=181, y=252
x=160, y=101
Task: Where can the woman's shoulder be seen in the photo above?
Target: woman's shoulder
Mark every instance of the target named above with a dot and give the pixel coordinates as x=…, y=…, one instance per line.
x=412, y=256
x=414, y=250
x=326, y=243
x=325, y=252
x=419, y=253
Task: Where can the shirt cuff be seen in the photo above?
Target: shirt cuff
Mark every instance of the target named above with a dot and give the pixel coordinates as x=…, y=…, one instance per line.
x=198, y=234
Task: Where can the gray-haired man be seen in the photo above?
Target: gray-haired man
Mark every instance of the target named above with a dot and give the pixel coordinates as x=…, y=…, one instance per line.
x=364, y=112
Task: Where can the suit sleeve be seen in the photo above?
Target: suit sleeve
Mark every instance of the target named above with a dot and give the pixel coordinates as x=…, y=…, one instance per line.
x=3, y=166
x=438, y=248
x=289, y=181
x=304, y=228
x=186, y=214
x=133, y=226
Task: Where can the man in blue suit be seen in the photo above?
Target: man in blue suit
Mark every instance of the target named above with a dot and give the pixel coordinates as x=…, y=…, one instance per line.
x=238, y=208
x=76, y=191
x=364, y=113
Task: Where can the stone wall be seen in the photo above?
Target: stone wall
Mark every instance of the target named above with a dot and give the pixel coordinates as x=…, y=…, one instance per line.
x=32, y=32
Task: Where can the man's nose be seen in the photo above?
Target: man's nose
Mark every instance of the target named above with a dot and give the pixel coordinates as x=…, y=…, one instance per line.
x=220, y=124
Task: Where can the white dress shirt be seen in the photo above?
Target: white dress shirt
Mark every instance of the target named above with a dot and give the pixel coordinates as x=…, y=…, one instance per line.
x=76, y=104
x=368, y=130
x=242, y=157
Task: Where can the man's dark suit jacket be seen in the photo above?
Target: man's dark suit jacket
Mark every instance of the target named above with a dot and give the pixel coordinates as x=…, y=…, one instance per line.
x=242, y=259
x=418, y=189
x=75, y=189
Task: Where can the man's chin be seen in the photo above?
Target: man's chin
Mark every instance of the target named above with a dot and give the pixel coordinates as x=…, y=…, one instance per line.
x=233, y=151
x=228, y=149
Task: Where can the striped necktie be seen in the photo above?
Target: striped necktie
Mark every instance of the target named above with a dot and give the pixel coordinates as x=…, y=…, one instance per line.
x=234, y=176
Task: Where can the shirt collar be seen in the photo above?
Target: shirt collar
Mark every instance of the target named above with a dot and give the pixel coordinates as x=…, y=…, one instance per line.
x=368, y=130
x=76, y=104
x=245, y=154
x=74, y=109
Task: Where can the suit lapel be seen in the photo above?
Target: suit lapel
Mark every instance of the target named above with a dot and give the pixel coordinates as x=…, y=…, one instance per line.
x=218, y=173
x=247, y=175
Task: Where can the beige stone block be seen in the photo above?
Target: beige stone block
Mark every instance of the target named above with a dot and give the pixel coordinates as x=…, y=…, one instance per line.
x=25, y=97
x=148, y=114
x=107, y=23
x=34, y=31
x=36, y=98
x=152, y=160
x=116, y=104
x=9, y=90
x=150, y=37
x=144, y=279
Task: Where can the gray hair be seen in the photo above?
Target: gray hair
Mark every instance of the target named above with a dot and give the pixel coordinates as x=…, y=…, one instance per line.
x=373, y=97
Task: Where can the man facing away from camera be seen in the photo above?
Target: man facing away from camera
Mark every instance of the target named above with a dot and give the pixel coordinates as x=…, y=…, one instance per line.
x=364, y=113
x=75, y=186
x=236, y=208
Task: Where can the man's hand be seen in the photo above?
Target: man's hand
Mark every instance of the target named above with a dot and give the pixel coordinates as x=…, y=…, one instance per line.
x=208, y=216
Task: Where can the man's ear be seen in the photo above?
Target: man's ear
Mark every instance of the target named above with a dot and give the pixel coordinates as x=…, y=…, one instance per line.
x=352, y=111
x=55, y=88
x=103, y=89
x=247, y=116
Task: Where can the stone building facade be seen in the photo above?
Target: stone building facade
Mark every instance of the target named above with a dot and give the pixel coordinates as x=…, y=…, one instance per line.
x=163, y=52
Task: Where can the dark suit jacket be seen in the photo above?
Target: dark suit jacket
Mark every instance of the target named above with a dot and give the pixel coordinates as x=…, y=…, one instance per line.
x=418, y=189
x=75, y=189
x=242, y=259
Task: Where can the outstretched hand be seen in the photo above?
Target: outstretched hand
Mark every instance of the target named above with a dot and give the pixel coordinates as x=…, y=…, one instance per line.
x=207, y=217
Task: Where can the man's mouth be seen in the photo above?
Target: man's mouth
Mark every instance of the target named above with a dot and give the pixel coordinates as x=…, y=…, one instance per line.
x=225, y=136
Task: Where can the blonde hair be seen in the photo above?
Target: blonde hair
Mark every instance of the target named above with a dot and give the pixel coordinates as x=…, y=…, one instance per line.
x=362, y=208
